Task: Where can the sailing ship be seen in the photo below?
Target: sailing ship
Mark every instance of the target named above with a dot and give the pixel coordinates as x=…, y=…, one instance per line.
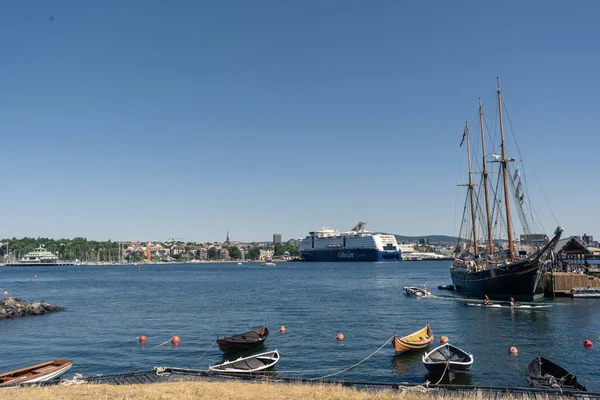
x=491, y=265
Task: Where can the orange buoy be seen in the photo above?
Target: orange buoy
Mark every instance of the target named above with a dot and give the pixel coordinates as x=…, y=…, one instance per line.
x=282, y=329
x=513, y=351
x=6, y=293
x=340, y=336
x=142, y=339
x=586, y=343
x=444, y=339
x=175, y=340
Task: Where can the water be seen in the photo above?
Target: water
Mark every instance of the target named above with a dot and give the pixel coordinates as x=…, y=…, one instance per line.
x=108, y=307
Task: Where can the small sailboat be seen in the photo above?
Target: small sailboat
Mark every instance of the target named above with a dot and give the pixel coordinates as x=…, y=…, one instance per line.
x=37, y=373
x=415, y=341
x=248, y=365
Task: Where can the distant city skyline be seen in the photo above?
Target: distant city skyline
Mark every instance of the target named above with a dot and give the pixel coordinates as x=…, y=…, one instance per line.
x=148, y=120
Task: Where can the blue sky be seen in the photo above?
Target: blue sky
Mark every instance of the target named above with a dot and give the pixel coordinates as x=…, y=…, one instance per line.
x=144, y=120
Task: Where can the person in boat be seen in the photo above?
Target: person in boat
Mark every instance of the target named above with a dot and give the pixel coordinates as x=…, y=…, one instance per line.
x=425, y=290
x=487, y=301
x=513, y=303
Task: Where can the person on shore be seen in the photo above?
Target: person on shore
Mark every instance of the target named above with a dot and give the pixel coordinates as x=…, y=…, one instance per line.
x=487, y=301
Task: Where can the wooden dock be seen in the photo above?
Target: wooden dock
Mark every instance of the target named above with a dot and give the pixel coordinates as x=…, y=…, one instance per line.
x=561, y=283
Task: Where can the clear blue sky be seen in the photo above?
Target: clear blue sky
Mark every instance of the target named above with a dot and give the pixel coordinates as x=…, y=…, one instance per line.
x=144, y=120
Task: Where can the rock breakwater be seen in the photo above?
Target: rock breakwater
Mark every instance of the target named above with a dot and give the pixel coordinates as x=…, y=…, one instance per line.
x=14, y=307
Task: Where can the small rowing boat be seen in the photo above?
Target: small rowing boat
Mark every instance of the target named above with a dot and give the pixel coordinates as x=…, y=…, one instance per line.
x=544, y=374
x=415, y=341
x=448, y=357
x=36, y=373
x=243, y=341
x=248, y=365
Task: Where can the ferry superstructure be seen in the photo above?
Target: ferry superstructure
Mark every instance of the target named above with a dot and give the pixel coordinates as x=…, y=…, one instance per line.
x=355, y=245
x=39, y=256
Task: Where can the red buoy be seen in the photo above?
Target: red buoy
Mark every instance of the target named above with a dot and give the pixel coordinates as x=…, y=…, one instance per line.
x=587, y=344
x=513, y=351
x=340, y=336
x=6, y=293
x=142, y=339
x=444, y=339
x=175, y=340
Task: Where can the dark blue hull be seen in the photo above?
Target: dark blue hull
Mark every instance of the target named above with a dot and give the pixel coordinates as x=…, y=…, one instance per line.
x=350, y=255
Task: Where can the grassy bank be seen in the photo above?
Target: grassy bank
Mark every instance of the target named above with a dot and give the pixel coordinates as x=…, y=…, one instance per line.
x=212, y=390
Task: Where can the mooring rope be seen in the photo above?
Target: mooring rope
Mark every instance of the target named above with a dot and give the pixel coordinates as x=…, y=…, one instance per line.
x=207, y=351
x=355, y=365
x=162, y=344
x=444, y=373
x=76, y=380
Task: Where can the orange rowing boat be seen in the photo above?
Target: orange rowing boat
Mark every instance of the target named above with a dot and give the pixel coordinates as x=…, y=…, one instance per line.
x=415, y=341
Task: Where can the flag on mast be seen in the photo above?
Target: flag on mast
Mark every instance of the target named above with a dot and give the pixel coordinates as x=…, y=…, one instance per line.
x=463, y=137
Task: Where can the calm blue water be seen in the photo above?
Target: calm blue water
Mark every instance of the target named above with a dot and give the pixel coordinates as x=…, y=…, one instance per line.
x=109, y=307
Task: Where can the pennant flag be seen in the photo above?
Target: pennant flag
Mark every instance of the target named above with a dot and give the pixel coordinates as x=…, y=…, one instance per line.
x=463, y=137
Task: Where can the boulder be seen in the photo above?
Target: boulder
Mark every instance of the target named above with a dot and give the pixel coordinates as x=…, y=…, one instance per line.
x=14, y=307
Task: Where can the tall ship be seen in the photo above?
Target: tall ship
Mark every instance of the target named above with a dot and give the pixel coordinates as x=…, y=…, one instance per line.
x=355, y=245
x=487, y=261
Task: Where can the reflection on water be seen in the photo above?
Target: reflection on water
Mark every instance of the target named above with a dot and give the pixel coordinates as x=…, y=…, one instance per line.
x=407, y=362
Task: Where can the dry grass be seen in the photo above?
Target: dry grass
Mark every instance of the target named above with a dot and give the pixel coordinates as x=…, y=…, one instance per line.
x=211, y=390
x=199, y=390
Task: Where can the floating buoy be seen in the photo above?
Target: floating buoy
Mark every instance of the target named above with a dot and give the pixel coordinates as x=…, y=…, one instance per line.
x=6, y=293
x=444, y=339
x=340, y=336
x=282, y=329
x=513, y=351
x=142, y=339
x=586, y=343
x=175, y=340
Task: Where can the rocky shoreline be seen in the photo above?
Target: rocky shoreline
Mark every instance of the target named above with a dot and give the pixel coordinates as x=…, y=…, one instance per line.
x=14, y=307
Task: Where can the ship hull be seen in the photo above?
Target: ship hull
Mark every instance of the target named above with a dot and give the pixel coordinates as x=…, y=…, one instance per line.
x=350, y=255
x=518, y=281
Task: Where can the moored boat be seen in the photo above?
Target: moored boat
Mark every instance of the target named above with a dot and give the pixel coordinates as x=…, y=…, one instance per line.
x=243, y=341
x=248, y=365
x=486, y=259
x=448, y=358
x=544, y=374
x=37, y=373
x=415, y=341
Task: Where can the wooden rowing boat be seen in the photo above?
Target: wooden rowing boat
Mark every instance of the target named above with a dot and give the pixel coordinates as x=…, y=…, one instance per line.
x=544, y=374
x=415, y=341
x=247, y=365
x=36, y=373
x=448, y=358
x=243, y=341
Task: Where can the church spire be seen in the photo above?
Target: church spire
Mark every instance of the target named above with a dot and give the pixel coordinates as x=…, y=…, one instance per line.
x=227, y=239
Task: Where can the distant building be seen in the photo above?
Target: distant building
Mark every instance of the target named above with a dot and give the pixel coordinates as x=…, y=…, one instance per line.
x=293, y=242
x=227, y=238
x=276, y=238
x=534, y=239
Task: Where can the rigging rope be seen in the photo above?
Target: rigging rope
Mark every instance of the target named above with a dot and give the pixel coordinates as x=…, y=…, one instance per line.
x=207, y=351
x=357, y=364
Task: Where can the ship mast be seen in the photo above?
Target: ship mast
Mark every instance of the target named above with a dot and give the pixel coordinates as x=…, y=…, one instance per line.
x=485, y=184
x=471, y=191
x=504, y=161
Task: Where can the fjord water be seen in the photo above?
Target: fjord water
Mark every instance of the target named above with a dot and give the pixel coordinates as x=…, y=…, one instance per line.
x=108, y=307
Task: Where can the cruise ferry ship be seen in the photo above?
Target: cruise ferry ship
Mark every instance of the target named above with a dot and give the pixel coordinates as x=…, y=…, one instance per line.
x=356, y=245
x=39, y=256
